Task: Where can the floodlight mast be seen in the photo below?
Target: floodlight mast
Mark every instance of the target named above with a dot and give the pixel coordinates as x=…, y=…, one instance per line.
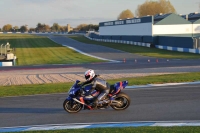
x=1, y=49
x=6, y=48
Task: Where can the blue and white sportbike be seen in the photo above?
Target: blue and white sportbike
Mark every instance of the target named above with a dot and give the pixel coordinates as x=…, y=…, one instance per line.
x=76, y=101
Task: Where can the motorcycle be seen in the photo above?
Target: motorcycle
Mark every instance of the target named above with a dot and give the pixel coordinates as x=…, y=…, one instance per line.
x=76, y=101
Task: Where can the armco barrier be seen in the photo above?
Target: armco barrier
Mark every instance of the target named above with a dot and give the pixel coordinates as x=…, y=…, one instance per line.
x=121, y=41
x=179, y=49
x=188, y=50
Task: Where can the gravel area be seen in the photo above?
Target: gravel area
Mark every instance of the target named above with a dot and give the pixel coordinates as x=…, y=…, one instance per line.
x=62, y=75
x=58, y=75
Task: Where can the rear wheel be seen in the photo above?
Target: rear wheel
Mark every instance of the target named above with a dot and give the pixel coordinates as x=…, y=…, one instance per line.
x=122, y=101
x=72, y=106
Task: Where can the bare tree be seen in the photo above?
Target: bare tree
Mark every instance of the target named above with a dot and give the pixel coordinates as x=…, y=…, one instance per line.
x=125, y=14
x=150, y=7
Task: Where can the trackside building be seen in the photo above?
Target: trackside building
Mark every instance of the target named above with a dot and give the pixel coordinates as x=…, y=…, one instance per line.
x=161, y=31
x=129, y=27
x=194, y=18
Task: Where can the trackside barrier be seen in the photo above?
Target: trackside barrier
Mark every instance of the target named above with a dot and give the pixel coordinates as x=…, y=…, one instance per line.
x=188, y=50
x=121, y=41
x=8, y=63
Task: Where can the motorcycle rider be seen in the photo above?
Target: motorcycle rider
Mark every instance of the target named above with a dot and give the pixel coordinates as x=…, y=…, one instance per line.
x=98, y=84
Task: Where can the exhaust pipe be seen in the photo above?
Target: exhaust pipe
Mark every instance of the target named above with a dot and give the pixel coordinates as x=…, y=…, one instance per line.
x=114, y=102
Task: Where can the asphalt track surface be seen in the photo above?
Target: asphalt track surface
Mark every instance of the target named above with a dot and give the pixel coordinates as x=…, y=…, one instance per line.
x=169, y=103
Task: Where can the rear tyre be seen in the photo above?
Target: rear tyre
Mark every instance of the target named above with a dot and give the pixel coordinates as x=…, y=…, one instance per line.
x=72, y=106
x=123, y=100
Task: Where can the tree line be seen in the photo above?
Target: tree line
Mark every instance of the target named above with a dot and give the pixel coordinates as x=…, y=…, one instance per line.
x=46, y=28
x=39, y=28
x=149, y=7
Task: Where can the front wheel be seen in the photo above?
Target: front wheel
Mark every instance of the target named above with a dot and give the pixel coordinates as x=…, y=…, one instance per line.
x=72, y=106
x=121, y=102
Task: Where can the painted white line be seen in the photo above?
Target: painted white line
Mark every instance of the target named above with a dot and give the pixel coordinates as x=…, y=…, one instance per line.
x=89, y=54
x=58, y=64
x=157, y=85
x=85, y=53
x=101, y=124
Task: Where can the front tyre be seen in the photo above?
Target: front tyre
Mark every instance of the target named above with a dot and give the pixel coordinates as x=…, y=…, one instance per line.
x=72, y=106
x=123, y=101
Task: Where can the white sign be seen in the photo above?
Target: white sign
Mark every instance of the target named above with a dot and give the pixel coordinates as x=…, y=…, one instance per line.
x=133, y=21
x=119, y=22
x=108, y=23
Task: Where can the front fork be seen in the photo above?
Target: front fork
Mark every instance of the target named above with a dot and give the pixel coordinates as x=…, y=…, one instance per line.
x=75, y=99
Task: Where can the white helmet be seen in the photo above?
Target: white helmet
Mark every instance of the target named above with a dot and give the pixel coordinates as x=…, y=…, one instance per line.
x=89, y=74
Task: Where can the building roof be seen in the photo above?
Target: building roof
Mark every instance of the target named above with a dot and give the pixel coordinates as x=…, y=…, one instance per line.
x=169, y=19
x=159, y=17
x=192, y=17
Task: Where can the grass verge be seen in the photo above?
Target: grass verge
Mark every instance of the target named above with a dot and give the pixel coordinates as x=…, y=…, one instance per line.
x=127, y=130
x=144, y=51
x=33, y=89
x=34, y=50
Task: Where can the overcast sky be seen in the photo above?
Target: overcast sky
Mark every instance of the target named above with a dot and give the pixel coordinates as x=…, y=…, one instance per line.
x=74, y=12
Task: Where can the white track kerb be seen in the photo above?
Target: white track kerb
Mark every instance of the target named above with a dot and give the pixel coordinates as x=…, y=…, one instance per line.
x=100, y=125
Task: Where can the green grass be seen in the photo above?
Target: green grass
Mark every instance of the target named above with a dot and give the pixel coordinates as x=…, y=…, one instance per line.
x=33, y=89
x=151, y=52
x=34, y=50
x=127, y=130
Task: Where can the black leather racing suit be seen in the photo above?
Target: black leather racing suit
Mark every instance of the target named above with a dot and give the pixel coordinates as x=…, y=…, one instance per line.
x=100, y=85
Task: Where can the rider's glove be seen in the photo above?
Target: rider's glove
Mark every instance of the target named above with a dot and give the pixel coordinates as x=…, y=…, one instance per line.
x=81, y=84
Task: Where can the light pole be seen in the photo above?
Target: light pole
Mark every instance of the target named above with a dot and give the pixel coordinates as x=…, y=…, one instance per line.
x=6, y=48
x=1, y=49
